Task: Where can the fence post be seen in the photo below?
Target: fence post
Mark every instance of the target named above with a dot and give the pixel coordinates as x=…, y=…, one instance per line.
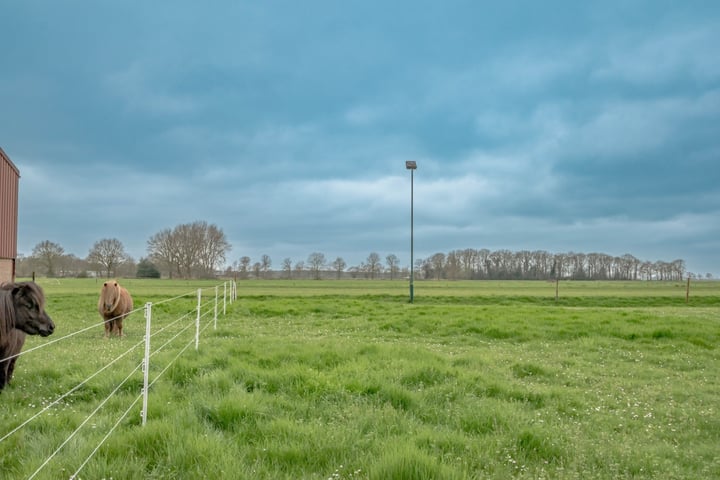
x=224, y=296
x=216, y=302
x=146, y=361
x=197, y=321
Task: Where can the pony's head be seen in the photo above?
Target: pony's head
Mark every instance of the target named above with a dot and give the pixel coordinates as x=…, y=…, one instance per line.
x=30, y=315
x=110, y=296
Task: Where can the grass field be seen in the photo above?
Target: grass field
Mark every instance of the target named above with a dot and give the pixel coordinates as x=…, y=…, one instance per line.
x=347, y=380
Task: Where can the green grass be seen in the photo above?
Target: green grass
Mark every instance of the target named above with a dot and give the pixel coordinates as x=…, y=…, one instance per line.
x=341, y=380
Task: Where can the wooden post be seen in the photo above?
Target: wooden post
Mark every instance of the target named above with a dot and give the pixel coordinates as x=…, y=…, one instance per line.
x=557, y=288
x=687, y=291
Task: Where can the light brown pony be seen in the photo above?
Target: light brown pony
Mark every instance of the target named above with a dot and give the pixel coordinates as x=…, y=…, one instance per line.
x=114, y=305
x=22, y=312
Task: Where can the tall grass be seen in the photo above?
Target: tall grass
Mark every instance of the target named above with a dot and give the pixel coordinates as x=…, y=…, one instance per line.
x=340, y=380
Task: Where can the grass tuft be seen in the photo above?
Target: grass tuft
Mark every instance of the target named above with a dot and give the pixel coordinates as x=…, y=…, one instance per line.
x=403, y=462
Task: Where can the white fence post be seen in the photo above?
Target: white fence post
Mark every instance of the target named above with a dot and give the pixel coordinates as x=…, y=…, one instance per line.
x=216, y=303
x=224, y=296
x=146, y=361
x=197, y=321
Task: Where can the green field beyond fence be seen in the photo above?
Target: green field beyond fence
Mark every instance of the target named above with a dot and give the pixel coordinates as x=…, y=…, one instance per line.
x=347, y=380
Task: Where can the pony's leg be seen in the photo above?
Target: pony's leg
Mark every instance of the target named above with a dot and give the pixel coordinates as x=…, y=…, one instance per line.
x=10, y=369
x=119, y=326
x=3, y=371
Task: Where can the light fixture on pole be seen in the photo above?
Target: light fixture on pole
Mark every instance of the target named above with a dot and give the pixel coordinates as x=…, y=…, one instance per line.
x=412, y=166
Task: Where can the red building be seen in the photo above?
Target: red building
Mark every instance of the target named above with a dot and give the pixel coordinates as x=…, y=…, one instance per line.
x=9, y=181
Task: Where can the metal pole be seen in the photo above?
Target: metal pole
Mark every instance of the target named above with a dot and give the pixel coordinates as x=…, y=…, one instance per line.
x=412, y=266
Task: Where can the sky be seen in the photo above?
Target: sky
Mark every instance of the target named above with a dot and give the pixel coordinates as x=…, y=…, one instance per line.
x=563, y=126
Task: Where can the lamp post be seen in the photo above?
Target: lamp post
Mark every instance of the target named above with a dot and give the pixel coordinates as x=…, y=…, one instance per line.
x=412, y=166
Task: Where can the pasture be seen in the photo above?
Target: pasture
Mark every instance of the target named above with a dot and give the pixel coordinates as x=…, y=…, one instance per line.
x=347, y=380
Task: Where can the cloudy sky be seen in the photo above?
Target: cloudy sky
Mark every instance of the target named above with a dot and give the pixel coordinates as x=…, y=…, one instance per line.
x=558, y=125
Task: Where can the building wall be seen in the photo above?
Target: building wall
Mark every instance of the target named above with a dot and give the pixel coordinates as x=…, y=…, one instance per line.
x=9, y=181
x=7, y=273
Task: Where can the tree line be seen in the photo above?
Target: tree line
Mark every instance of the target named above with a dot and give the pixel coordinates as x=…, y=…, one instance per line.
x=199, y=250
x=483, y=264
x=318, y=267
x=192, y=250
x=472, y=264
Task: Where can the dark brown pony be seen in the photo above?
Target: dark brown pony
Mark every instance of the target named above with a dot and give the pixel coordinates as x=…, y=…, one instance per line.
x=114, y=305
x=22, y=311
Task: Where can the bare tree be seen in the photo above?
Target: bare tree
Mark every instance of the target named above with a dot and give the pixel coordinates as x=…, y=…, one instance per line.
x=287, y=268
x=373, y=265
x=452, y=265
x=72, y=265
x=244, y=267
x=212, y=247
x=265, y=264
x=163, y=249
x=299, y=268
x=191, y=249
x=437, y=263
x=339, y=266
x=392, y=263
x=468, y=261
x=316, y=261
x=107, y=253
x=48, y=254
x=678, y=269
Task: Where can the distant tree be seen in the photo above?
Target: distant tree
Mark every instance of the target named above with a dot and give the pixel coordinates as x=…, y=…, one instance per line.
x=265, y=264
x=339, y=266
x=354, y=271
x=107, y=254
x=147, y=269
x=257, y=268
x=128, y=268
x=373, y=265
x=287, y=268
x=468, y=260
x=48, y=255
x=191, y=249
x=678, y=269
x=24, y=265
x=423, y=265
x=213, y=247
x=73, y=266
x=244, y=267
x=316, y=261
x=299, y=268
x=452, y=265
x=392, y=263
